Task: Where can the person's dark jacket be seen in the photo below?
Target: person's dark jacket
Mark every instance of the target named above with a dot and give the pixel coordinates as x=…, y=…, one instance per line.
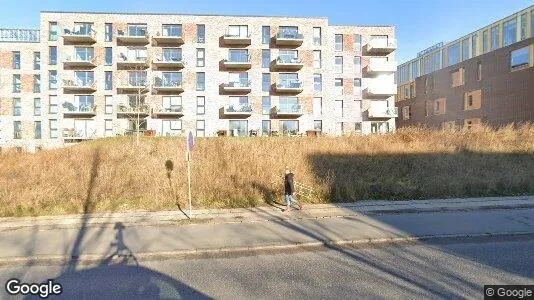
x=289, y=184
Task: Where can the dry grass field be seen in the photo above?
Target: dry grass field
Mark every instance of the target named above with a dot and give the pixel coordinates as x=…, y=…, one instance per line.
x=413, y=163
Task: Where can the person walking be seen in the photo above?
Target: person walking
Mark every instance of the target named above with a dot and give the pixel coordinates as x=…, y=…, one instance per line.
x=289, y=187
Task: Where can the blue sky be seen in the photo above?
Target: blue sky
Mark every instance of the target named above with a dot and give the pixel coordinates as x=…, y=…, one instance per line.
x=419, y=23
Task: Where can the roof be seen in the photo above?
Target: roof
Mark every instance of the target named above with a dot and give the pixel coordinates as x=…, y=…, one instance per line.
x=176, y=14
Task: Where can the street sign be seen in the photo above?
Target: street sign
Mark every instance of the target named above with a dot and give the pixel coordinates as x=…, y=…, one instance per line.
x=190, y=141
x=190, y=145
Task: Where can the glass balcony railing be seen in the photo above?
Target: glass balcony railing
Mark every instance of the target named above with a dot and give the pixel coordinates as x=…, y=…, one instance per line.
x=78, y=108
x=239, y=58
x=241, y=35
x=137, y=82
x=170, y=58
x=168, y=83
x=132, y=58
x=124, y=108
x=238, y=108
x=78, y=83
x=242, y=83
x=171, y=109
x=288, y=60
x=289, y=35
x=289, y=108
x=80, y=30
x=289, y=84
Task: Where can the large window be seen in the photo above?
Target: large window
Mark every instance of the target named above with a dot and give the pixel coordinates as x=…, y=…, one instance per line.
x=109, y=56
x=454, y=54
x=52, y=50
x=201, y=105
x=238, y=31
x=201, y=128
x=52, y=124
x=316, y=59
x=357, y=64
x=265, y=58
x=171, y=30
x=338, y=86
x=52, y=104
x=108, y=32
x=172, y=103
x=317, y=106
x=265, y=82
x=289, y=126
x=36, y=60
x=317, y=41
x=17, y=130
x=84, y=102
x=16, y=59
x=523, y=27
x=37, y=130
x=338, y=64
x=16, y=83
x=266, y=105
x=37, y=106
x=485, y=41
x=317, y=82
x=201, y=33
x=36, y=83
x=238, y=127
x=338, y=109
x=201, y=81
x=84, y=53
x=108, y=109
x=52, y=31
x=171, y=78
x=520, y=57
x=509, y=32
x=357, y=43
x=200, y=57
x=289, y=105
x=265, y=127
x=137, y=29
x=338, y=42
x=494, y=37
x=474, y=41
x=172, y=54
x=108, y=80
x=465, y=49
x=17, y=107
x=265, y=35
x=84, y=78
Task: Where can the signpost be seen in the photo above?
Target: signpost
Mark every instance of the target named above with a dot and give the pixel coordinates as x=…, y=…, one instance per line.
x=190, y=145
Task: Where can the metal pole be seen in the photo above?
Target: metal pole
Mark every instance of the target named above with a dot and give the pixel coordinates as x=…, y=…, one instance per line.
x=189, y=178
x=138, y=121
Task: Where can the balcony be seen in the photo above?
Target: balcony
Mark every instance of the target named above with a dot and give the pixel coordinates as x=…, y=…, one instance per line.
x=237, y=62
x=289, y=39
x=89, y=62
x=175, y=111
x=82, y=35
x=383, y=112
x=236, y=39
x=380, y=66
x=135, y=37
x=132, y=87
x=237, y=86
x=73, y=135
x=288, y=63
x=70, y=110
x=289, y=86
x=131, y=63
x=240, y=110
x=381, y=45
x=78, y=86
x=168, y=40
x=171, y=63
x=127, y=111
x=289, y=110
x=381, y=90
x=167, y=86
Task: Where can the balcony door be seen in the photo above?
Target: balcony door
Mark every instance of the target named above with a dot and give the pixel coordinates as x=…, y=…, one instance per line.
x=84, y=128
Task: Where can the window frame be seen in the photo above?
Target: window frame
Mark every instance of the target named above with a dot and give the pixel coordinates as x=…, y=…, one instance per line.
x=201, y=105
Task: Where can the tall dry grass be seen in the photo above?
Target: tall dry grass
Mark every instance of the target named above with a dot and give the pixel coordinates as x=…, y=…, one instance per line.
x=414, y=163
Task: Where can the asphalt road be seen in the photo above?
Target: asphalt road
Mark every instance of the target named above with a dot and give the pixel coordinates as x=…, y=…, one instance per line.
x=438, y=269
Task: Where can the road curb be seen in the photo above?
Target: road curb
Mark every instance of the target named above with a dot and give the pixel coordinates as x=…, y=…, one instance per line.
x=196, y=253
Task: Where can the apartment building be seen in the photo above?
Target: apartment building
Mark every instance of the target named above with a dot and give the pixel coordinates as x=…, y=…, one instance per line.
x=82, y=76
x=486, y=77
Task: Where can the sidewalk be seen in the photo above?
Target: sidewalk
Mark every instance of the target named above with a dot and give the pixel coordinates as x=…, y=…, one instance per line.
x=170, y=234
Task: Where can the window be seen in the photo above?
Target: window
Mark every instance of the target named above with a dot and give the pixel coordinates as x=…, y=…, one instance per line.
x=238, y=79
x=36, y=83
x=265, y=35
x=317, y=82
x=108, y=110
x=17, y=108
x=479, y=71
x=172, y=54
x=289, y=127
x=265, y=58
x=265, y=127
x=412, y=89
x=109, y=56
x=108, y=32
x=357, y=64
x=339, y=128
x=465, y=49
x=316, y=59
x=84, y=78
x=109, y=80
x=472, y=100
x=52, y=104
x=52, y=31
x=36, y=60
x=485, y=41
x=37, y=106
x=266, y=105
x=494, y=37
x=357, y=83
x=291, y=32
x=201, y=128
x=52, y=124
x=379, y=127
x=338, y=64
x=520, y=58
x=406, y=113
x=238, y=127
x=358, y=127
x=532, y=23
x=523, y=27
x=16, y=59
x=457, y=77
x=17, y=130
x=474, y=41
x=37, y=129
x=201, y=105
x=338, y=42
x=201, y=33
x=509, y=32
x=174, y=30
x=200, y=57
x=357, y=43
x=238, y=31
x=317, y=41
x=169, y=78
x=317, y=106
x=136, y=30
x=454, y=54
x=201, y=81
x=429, y=84
x=16, y=83
x=357, y=107
x=265, y=82
x=338, y=109
x=108, y=127
x=318, y=125
x=440, y=106
x=52, y=50
x=338, y=86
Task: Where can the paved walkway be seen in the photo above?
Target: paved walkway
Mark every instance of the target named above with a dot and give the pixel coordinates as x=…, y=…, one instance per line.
x=147, y=235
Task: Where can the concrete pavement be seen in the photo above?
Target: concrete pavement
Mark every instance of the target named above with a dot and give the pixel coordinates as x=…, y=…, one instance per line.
x=165, y=234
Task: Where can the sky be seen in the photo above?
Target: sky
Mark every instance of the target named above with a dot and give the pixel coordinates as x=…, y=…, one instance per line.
x=419, y=23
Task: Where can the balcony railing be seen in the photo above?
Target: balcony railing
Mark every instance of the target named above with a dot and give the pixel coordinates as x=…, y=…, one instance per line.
x=238, y=109
x=89, y=61
x=173, y=110
x=245, y=83
x=378, y=66
x=168, y=38
x=289, y=38
x=81, y=109
x=381, y=89
x=123, y=109
x=73, y=134
x=236, y=39
x=79, y=85
x=168, y=85
x=288, y=63
x=289, y=109
x=380, y=112
x=133, y=86
x=133, y=37
x=238, y=61
x=81, y=34
x=289, y=86
x=168, y=62
x=381, y=45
